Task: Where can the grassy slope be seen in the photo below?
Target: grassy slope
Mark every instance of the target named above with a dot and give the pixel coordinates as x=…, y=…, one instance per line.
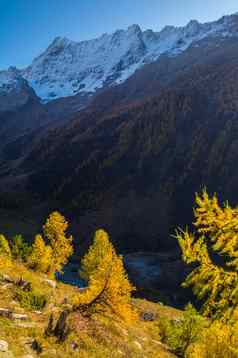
x=97, y=337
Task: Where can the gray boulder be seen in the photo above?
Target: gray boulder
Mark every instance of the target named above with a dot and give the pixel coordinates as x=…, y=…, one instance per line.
x=3, y=346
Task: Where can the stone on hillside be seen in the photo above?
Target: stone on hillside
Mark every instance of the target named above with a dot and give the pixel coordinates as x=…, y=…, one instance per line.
x=124, y=331
x=36, y=346
x=3, y=346
x=26, y=324
x=138, y=344
x=18, y=316
x=6, y=313
x=74, y=346
x=6, y=286
x=148, y=316
x=6, y=278
x=24, y=285
x=82, y=289
x=50, y=283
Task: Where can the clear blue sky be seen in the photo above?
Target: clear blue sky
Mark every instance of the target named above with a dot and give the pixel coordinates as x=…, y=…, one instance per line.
x=28, y=26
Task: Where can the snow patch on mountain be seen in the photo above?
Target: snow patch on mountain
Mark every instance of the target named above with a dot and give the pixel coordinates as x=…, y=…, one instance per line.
x=67, y=67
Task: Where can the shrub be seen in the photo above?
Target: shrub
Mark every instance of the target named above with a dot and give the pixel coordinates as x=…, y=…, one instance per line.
x=217, y=341
x=20, y=249
x=164, y=329
x=31, y=299
x=182, y=333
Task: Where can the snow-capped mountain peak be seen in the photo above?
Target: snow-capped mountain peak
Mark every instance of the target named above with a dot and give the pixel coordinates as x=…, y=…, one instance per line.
x=134, y=29
x=67, y=67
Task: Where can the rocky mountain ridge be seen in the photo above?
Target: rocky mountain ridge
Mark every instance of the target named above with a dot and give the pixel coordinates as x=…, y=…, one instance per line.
x=68, y=68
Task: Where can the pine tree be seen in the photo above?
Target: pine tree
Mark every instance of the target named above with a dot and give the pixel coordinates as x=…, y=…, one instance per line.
x=213, y=247
x=108, y=286
x=41, y=256
x=4, y=247
x=55, y=232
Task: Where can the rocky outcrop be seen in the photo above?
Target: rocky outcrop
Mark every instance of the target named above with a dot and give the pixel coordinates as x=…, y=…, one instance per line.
x=50, y=283
x=8, y=313
x=3, y=346
x=4, y=350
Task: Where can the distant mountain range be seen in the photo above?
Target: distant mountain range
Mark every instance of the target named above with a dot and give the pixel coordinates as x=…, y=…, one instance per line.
x=122, y=130
x=67, y=68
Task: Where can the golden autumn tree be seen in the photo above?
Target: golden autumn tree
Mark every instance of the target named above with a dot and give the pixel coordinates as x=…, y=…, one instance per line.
x=4, y=246
x=213, y=247
x=108, y=286
x=55, y=232
x=41, y=255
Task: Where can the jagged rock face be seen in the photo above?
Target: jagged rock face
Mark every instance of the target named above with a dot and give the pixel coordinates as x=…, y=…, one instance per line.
x=20, y=109
x=14, y=90
x=67, y=68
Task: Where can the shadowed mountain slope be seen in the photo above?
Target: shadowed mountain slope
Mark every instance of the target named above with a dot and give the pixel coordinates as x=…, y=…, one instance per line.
x=134, y=168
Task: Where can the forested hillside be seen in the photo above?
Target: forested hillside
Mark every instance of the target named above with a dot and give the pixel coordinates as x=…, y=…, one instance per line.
x=137, y=167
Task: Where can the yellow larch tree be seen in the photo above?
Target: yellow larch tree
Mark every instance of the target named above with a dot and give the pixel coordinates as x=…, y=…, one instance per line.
x=213, y=248
x=4, y=246
x=55, y=232
x=41, y=255
x=108, y=286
